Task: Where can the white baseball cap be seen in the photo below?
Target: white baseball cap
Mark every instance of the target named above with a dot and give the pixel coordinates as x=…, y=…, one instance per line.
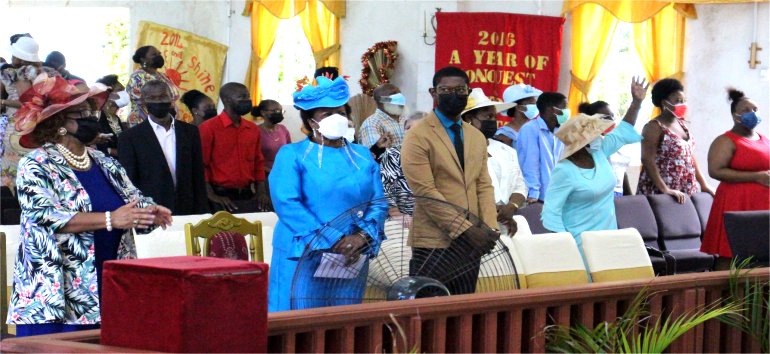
x=26, y=49
x=521, y=91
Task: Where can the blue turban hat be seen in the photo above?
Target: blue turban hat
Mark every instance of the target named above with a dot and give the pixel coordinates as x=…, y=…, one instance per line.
x=327, y=94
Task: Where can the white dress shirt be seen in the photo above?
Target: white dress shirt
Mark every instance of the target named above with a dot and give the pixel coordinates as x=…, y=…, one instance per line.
x=504, y=170
x=167, y=140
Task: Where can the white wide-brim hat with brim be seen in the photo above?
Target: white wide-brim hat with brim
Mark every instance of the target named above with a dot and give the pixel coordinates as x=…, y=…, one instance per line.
x=477, y=99
x=580, y=130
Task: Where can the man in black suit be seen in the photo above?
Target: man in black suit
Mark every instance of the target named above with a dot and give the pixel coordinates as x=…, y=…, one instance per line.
x=163, y=156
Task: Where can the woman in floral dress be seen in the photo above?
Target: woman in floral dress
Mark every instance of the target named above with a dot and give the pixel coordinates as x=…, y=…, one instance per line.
x=668, y=160
x=77, y=207
x=150, y=61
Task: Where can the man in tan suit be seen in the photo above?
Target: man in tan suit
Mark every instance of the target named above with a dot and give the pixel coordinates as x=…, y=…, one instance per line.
x=445, y=159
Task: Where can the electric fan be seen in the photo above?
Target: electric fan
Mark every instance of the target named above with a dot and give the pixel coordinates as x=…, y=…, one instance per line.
x=392, y=269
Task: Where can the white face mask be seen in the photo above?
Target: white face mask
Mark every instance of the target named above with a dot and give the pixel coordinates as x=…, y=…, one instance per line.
x=393, y=109
x=530, y=111
x=350, y=135
x=595, y=145
x=122, y=100
x=333, y=127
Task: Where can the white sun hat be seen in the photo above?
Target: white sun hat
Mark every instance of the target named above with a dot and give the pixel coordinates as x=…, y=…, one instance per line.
x=519, y=92
x=477, y=99
x=26, y=49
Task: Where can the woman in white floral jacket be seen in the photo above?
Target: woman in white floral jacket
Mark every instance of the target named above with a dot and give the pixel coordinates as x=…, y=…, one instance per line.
x=78, y=207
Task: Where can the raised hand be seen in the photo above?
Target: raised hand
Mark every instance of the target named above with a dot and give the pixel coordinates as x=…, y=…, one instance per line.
x=639, y=86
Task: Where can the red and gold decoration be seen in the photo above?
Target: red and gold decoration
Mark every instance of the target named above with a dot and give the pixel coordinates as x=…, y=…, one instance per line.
x=498, y=50
x=378, y=62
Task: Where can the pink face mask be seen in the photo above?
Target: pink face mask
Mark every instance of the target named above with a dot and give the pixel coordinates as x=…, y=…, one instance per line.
x=678, y=110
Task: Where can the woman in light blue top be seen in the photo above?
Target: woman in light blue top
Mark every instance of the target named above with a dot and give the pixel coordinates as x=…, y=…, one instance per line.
x=580, y=195
x=312, y=183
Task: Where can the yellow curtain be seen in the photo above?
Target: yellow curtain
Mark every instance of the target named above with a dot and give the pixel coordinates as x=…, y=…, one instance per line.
x=322, y=29
x=320, y=22
x=660, y=44
x=636, y=11
x=263, y=32
x=286, y=9
x=592, y=30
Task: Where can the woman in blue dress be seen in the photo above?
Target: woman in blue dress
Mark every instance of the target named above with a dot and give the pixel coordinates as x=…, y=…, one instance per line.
x=580, y=196
x=312, y=183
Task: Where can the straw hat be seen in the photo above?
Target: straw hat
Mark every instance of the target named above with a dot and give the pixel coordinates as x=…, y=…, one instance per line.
x=580, y=130
x=477, y=99
x=46, y=97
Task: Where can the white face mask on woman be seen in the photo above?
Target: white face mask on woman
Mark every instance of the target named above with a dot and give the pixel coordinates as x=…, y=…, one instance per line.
x=350, y=135
x=333, y=127
x=595, y=145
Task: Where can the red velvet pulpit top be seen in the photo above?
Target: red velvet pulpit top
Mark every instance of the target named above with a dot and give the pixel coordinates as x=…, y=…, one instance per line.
x=185, y=304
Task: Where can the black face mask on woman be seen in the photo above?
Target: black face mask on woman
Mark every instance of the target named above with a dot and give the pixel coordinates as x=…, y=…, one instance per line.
x=158, y=62
x=88, y=129
x=275, y=118
x=209, y=113
x=488, y=128
x=452, y=104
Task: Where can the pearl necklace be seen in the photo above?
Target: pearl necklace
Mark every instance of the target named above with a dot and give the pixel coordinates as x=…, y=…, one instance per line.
x=80, y=162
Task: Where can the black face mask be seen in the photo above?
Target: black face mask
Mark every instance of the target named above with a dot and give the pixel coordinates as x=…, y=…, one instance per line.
x=88, y=129
x=275, y=118
x=209, y=113
x=452, y=104
x=159, y=109
x=158, y=62
x=488, y=128
x=242, y=107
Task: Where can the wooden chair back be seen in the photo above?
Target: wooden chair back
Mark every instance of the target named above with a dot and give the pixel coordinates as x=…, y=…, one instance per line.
x=219, y=222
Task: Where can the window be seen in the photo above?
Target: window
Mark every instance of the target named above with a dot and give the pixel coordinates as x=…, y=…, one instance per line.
x=613, y=83
x=290, y=59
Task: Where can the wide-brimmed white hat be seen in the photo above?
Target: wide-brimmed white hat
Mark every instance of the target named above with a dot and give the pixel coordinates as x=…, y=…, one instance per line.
x=477, y=99
x=580, y=130
x=519, y=92
x=26, y=49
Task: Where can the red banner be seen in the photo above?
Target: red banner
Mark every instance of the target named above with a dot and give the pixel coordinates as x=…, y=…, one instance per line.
x=498, y=50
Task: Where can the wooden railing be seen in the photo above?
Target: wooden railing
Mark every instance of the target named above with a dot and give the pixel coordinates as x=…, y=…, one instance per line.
x=510, y=321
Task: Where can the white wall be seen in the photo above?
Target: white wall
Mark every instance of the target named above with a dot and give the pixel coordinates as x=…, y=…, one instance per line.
x=717, y=57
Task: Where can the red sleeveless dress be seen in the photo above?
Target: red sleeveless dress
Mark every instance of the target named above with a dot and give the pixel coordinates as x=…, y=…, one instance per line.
x=750, y=155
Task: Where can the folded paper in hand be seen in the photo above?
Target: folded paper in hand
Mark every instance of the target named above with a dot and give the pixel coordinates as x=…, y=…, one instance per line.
x=333, y=266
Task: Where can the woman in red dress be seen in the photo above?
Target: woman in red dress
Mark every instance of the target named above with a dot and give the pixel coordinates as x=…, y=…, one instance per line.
x=740, y=160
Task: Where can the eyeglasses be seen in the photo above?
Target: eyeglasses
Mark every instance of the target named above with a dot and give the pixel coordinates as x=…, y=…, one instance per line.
x=272, y=111
x=460, y=90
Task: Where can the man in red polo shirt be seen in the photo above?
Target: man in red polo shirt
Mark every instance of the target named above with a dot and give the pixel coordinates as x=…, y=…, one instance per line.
x=232, y=157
